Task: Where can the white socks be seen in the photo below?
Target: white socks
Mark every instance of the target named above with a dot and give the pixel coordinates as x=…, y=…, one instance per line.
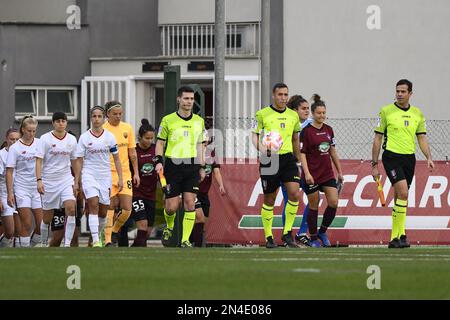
x=70, y=229
x=24, y=242
x=44, y=233
x=93, y=226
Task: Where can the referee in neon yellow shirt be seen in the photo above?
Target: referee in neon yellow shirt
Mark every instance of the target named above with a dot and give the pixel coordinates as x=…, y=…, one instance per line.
x=399, y=122
x=181, y=139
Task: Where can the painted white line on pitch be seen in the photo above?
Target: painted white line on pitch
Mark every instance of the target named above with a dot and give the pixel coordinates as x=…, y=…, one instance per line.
x=306, y=270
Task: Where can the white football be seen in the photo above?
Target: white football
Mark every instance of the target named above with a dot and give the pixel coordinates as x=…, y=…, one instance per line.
x=272, y=140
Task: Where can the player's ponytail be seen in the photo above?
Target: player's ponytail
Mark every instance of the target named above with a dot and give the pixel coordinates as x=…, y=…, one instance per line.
x=145, y=127
x=317, y=102
x=26, y=121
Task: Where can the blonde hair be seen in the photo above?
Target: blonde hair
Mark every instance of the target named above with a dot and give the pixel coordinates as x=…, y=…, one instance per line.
x=26, y=121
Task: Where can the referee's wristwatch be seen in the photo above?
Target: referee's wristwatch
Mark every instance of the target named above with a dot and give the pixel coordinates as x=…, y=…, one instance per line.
x=373, y=163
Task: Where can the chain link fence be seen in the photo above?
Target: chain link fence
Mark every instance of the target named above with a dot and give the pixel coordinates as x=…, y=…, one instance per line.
x=354, y=138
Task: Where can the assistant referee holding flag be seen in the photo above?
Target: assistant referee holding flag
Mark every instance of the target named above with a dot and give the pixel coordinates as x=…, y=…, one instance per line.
x=399, y=122
x=184, y=136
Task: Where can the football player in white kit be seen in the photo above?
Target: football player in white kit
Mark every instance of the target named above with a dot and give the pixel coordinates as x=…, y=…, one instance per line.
x=6, y=212
x=22, y=188
x=94, y=148
x=55, y=182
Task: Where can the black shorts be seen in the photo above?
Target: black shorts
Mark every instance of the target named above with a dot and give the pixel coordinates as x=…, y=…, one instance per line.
x=181, y=178
x=144, y=210
x=202, y=201
x=280, y=169
x=399, y=166
x=309, y=189
x=59, y=218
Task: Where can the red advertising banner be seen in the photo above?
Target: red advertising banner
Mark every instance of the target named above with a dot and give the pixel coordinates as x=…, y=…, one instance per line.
x=235, y=218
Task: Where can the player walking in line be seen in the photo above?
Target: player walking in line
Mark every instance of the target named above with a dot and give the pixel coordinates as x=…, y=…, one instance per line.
x=144, y=196
x=301, y=106
x=55, y=156
x=318, y=151
x=6, y=211
x=399, y=122
x=184, y=135
x=22, y=187
x=93, y=151
x=121, y=200
x=280, y=166
x=202, y=203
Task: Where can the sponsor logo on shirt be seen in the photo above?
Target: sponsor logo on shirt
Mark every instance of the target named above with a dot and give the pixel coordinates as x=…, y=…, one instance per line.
x=61, y=153
x=324, y=147
x=147, y=169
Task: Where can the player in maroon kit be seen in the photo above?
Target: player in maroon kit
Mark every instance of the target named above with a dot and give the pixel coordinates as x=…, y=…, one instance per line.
x=144, y=196
x=202, y=203
x=316, y=154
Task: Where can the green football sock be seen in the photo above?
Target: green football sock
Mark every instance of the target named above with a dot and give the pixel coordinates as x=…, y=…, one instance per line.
x=400, y=208
x=291, y=212
x=188, y=224
x=267, y=219
x=170, y=219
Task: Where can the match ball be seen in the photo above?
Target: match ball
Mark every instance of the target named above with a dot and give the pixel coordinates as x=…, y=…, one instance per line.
x=273, y=141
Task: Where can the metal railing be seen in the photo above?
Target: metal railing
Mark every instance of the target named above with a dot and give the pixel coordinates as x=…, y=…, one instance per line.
x=354, y=138
x=197, y=40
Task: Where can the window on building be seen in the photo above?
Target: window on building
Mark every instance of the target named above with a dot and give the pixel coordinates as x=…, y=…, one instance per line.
x=59, y=100
x=42, y=102
x=25, y=102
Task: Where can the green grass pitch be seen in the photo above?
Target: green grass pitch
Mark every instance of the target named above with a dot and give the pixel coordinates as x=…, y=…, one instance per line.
x=225, y=273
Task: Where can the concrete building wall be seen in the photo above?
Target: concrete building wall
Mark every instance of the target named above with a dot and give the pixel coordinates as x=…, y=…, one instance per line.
x=122, y=28
x=202, y=11
x=39, y=50
x=329, y=49
x=35, y=11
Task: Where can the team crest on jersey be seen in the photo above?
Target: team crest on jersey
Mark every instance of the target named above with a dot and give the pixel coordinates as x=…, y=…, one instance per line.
x=282, y=125
x=125, y=135
x=186, y=133
x=406, y=123
x=324, y=147
x=147, y=169
x=90, y=144
x=53, y=145
x=23, y=152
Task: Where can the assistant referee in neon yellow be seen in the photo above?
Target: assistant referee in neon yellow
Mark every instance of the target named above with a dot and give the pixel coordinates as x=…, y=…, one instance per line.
x=399, y=123
x=280, y=166
x=183, y=135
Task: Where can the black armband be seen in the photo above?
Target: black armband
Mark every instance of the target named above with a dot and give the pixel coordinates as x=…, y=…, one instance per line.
x=158, y=159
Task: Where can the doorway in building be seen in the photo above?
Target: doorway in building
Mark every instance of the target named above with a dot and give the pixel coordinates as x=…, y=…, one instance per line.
x=158, y=102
